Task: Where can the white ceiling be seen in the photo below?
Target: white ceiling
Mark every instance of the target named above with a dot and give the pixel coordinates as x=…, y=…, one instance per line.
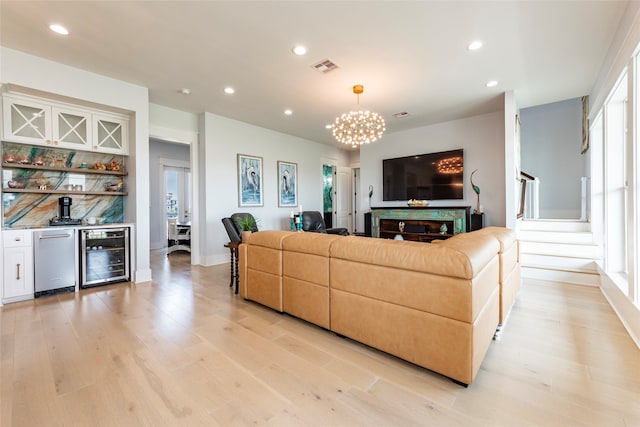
x=410, y=56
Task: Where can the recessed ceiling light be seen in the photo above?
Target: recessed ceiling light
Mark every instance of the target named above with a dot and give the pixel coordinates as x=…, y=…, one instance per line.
x=57, y=28
x=299, y=50
x=492, y=83
x=185, y=91
x=229, y=90
x=288, y=112
x=475, y=45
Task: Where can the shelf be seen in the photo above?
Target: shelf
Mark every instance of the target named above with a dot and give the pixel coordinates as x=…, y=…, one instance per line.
x=68, y=170
x=89, y=193
x=446, y=235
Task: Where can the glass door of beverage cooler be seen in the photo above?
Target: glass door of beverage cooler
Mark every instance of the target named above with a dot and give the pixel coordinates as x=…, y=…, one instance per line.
x=105, y=256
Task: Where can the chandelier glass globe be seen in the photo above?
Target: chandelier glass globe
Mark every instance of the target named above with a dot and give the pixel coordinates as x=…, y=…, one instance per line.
x=358, y=127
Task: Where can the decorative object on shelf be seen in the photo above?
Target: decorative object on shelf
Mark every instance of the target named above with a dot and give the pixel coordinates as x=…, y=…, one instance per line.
x=287, y=183
x=24, y=160
x=370, y=195
x=401, y=226
x=398, y=237
x=43, y=184
x=477, y=190
x=358, y=126
x=84, y=165
x=38, y=161
x=443, y=229
x=115, y=186
x=249, y=180
x=115, y=167
x=415, y=202
x=15, y=184
x=9, y=158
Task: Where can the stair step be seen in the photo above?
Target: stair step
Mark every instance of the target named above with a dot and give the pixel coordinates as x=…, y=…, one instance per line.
x=589, y=251
x=587, y=279
x=575, y=237
x=554, y=262
x=555, y=225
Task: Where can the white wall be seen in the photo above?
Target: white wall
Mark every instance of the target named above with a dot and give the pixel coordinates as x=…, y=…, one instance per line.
x=481, y=137
x=58, y=80
x=551, y=138
x=222, y=139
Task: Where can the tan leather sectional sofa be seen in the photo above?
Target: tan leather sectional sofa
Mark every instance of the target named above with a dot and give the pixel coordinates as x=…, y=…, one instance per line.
x=435, y=305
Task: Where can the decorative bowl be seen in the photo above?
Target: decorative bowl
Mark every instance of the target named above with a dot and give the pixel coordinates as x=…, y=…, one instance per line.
x=9, y=158
x=15, y=184
x=24, y=160
x=421, y=203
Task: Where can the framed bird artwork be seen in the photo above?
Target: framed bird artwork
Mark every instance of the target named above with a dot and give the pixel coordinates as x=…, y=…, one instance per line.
x=250, y=181
x=287, y=184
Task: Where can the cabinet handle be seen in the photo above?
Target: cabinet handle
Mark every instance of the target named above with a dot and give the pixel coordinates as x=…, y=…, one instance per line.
x=17, y=271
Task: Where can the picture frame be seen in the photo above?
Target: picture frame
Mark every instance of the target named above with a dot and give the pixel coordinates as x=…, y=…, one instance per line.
x=250, y=181
x=287, y=184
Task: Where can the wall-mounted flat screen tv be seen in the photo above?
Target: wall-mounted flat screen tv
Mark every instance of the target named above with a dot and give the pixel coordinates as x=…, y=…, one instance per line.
x=434, y=176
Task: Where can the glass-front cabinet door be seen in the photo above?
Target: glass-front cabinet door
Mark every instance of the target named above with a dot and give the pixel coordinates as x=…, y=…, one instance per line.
x=26, y=121
x=110, y=134
x=71, y=128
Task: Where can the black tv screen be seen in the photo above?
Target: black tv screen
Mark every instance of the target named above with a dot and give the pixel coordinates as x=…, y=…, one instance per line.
x=434, y=176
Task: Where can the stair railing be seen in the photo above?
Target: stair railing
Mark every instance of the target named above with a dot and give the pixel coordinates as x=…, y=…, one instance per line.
x=529, y=196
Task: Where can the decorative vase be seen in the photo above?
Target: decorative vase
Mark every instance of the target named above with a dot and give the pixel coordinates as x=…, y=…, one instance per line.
x=245, y=236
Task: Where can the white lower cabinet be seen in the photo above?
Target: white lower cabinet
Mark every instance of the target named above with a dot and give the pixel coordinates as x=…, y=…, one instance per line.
x=17, y=265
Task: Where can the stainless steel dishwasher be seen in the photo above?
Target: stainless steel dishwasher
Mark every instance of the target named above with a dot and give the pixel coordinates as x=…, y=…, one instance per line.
x=55, y=262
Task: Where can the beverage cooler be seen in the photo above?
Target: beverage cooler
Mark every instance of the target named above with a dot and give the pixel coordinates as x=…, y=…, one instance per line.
x=104, y=256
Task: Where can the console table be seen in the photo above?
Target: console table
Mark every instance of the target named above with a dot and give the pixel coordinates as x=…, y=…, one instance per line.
x=422, y=224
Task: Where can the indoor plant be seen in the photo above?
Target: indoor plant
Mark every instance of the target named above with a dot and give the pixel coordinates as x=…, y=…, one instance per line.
x=247, y=224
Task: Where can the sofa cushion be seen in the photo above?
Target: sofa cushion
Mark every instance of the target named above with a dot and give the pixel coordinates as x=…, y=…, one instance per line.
x=460, y=256
x=309, y=243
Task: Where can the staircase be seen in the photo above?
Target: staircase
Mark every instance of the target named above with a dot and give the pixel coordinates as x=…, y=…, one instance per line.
x=559, y=250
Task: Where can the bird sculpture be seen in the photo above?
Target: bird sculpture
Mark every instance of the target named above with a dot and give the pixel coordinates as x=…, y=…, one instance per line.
x=477, y=190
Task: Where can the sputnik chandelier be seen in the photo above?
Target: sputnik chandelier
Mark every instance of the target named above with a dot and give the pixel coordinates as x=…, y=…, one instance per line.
x=357, y=126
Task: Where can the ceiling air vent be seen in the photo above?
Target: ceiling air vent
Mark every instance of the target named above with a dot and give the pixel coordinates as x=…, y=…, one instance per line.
x=324, y=66
x=400, y=114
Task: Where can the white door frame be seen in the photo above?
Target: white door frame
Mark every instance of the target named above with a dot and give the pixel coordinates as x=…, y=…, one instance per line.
x=189, y=138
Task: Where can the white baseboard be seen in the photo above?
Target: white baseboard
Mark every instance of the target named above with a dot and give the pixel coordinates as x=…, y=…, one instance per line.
x=627, y=312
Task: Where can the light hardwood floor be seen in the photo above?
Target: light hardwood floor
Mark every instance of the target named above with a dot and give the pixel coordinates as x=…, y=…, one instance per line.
x=185, y=351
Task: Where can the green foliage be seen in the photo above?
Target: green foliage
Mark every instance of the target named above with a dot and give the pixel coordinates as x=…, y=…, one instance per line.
x=246, y=223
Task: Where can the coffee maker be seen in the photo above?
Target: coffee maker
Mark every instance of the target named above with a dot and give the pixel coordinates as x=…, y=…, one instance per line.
x=64, y=206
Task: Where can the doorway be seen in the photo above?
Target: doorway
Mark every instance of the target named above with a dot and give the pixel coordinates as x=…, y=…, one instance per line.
x=175, y=157
x=177, y=191
x=328, y=173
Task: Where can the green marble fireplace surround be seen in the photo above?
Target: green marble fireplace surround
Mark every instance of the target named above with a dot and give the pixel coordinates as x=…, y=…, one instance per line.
x=420, y=223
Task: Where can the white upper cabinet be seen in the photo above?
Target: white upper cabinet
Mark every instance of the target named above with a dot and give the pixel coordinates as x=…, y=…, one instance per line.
x=71, y=128
x=110, y=134
x=26, y=121
x=38, y=121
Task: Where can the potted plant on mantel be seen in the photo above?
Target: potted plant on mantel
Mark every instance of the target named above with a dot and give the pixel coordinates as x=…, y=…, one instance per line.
x=247, y=224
